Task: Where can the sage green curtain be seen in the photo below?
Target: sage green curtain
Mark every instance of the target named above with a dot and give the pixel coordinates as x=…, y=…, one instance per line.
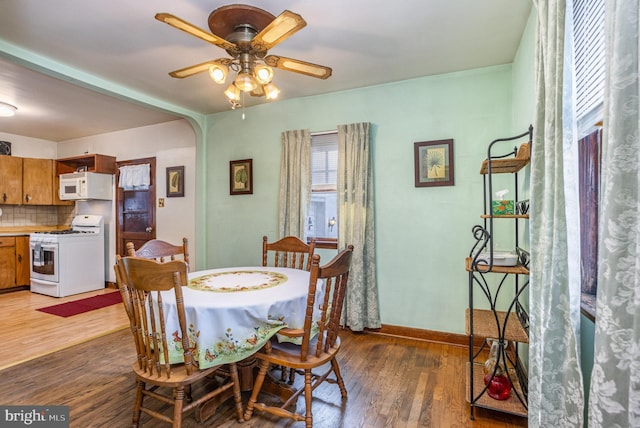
x=614, y=398
x=295, y=183
x=356, y=225
x=555, y=379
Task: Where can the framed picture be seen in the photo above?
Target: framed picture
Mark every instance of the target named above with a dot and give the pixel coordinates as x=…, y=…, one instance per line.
x=433, y=163
x=241, y=177
x=175, y=181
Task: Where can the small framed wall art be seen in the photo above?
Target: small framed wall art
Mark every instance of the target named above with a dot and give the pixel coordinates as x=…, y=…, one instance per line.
x=241, y=177
x=433, y=163
x=175, y=181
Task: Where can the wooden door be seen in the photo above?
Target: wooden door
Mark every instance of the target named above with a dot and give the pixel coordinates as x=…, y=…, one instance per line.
x=136, y=219
x=37, y=181
x=10, y=180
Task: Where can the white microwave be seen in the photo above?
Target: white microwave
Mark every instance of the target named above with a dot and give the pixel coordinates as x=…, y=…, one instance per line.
x=86, y=185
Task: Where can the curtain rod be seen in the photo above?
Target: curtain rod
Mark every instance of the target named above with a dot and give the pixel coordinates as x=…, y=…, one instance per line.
x=313, y=134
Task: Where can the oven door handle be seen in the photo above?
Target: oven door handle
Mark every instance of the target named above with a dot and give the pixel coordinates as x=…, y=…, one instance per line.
x=47, y=247
x=41, y=282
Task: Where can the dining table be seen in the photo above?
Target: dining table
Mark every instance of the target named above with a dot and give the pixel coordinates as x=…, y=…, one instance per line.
x=233, y=312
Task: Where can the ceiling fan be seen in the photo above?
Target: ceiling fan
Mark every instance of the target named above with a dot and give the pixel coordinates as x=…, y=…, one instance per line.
x=246, y=33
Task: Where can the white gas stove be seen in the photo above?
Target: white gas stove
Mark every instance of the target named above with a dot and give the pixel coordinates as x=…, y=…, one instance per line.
x=67, y=262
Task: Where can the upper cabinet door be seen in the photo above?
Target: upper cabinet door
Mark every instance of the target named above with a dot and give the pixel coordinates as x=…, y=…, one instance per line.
x=37, y=181
x=10, y=180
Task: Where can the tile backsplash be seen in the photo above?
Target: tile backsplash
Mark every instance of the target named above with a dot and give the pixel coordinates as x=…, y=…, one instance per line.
x=36, y=215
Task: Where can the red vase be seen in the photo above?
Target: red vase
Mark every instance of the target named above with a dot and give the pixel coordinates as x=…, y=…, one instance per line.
x=499, y=386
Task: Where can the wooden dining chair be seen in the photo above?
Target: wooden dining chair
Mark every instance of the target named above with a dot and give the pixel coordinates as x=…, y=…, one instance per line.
x=144, y=279
x=161, y=250
x=289, y=252
x=314, y=352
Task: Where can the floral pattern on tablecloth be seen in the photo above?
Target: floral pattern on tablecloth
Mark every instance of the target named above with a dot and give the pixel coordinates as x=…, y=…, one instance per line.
x=246, y=280
x=226, y=350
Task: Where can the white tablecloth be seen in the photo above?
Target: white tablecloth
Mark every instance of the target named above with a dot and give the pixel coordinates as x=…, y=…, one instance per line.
x=232, y=312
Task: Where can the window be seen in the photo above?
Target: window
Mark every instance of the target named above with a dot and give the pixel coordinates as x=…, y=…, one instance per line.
x=589, y=54
x=322, y=222
x=589, y=149
x=589, y=57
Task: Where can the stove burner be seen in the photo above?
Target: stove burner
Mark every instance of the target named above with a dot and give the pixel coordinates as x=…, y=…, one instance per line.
x=65, y=232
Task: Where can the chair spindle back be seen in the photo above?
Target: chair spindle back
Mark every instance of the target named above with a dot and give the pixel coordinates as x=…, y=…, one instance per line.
x=161, y=251
x=145, y=280
x=288, y=252
x=335, y=275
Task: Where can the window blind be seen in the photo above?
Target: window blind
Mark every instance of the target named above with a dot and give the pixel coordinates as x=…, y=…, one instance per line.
x=324, y=161
x=589, y=57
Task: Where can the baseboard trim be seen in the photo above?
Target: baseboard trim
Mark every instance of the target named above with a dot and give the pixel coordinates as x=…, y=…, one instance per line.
x=452, y=339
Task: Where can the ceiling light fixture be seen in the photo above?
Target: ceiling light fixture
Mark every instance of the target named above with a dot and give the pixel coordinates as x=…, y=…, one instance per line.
x=7, y=110
x=246, y=33
x=233, y=92
x=218, y=73
x=251, y=76
x=245, y=82
x=263, y=73
x=271, y=91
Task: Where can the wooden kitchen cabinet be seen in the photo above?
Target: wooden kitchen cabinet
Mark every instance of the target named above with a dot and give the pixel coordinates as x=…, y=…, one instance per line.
x=10, y=180
x=29, y=181
x=14, y=261
x=7, y=261
x=37, y=181
x=23, y=260
x=93, y=163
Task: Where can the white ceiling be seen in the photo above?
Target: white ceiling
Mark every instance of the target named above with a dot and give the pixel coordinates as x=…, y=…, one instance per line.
x=55, y=54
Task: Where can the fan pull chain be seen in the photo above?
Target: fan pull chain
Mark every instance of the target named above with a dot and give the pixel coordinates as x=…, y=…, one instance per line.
x=243, y=101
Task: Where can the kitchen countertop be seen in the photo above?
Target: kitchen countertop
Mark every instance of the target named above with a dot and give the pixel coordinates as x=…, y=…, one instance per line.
x=26, y=230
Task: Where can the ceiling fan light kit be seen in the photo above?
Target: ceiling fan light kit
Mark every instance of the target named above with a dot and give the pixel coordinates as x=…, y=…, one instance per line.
x=263, y=73
x=218, y=73
x=271, y=91
x=248, y=33
x=245, y=82
x=233, y=92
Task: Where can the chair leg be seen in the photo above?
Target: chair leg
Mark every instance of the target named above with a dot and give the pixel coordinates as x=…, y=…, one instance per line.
x=336, y=370
x=177, y=407
x=283, y=372
x=308, y=390
x=137, y=405
x=233, y=369
x=264, y=366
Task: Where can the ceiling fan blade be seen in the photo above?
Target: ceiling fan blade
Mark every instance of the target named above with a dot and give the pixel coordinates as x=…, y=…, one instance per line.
x=297, y=66
x=180, y=24
x=286, y=24
x=198, y=68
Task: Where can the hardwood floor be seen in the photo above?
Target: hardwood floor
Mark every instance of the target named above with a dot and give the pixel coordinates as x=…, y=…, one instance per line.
x=392, y=382
x=28, y=333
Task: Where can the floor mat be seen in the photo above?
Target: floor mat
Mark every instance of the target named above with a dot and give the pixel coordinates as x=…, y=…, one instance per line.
x=76, y=307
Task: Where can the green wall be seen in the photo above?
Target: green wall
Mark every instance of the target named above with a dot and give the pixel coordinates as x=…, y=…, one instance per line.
x=423, y=234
